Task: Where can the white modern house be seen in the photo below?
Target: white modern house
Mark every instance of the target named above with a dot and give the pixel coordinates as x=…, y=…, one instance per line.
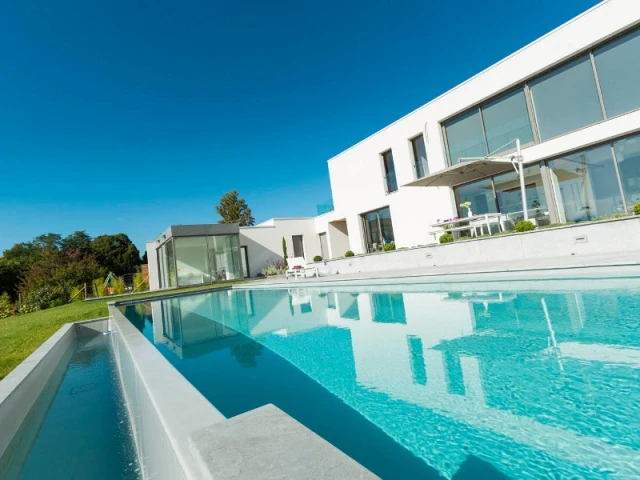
x=571, y=99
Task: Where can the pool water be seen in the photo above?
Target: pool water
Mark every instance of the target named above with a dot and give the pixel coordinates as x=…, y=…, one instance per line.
x=78, y=427
x=412, y=383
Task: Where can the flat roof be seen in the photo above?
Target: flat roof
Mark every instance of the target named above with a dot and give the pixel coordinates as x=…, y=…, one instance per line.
x=198, y=231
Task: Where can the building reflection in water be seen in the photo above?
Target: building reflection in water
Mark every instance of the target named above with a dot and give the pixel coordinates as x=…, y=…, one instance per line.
x=531, y=382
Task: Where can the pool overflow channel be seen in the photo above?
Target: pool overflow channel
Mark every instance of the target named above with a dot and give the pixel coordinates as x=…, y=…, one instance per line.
x=98, y=401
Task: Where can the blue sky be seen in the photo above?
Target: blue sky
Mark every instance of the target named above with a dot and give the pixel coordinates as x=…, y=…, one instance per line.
x=129, y=116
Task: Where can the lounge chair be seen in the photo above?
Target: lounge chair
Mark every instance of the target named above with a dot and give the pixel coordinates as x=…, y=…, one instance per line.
x=298, y=266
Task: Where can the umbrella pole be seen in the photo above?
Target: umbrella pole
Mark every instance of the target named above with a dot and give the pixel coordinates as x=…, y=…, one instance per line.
x=523, y=191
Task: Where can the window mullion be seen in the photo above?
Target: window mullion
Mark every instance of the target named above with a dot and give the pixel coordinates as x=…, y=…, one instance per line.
x=595, y=76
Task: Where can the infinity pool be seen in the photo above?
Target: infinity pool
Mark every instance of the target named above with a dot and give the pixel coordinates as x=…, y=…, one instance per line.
x=537, y=383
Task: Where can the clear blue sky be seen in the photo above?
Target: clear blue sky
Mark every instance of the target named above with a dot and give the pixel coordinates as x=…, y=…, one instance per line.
x=128, y=116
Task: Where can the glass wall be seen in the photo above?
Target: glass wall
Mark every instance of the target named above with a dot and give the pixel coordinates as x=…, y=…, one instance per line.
x=566, y=99
x=480, y=194
x=509, y=196
x=192, y=261
x=618, y=66
x=391, y=183
x=198, y=260
x=465, y=137
x=420, y=156
x=585, y=185
x=628, y=158
x=377, y=228
x=506, y=119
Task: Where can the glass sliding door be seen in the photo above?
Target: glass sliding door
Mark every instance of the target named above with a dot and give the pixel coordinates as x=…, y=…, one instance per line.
x=509, y=196
x=224, y=257
x=377, y=229
x=170, y=263
x=628, y=158
x=192, y=261
x=586, y=185
x=480, y=194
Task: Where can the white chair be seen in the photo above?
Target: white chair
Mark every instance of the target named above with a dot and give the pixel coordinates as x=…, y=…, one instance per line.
x=298, y=266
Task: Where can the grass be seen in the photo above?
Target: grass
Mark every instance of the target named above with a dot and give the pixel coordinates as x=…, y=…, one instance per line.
x=21, y=335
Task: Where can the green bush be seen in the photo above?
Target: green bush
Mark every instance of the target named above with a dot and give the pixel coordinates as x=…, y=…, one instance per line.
x=98, y=288
x=118, y=286
x=349, y=253
x=46, y=296
x=463, y=238
x=76, y=296
x=446, y=238
x=317, y=258
x=636, y=209
x=6, y=306
x=284, y=253
x=525, y=226
x=139, y=283
x=389, y=246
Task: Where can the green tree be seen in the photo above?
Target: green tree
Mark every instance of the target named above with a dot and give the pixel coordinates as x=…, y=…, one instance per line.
x=144, y=259
x=116, y=253
x=48, y=240
x=77, y=241
x=9, y=278
x=234, y=209
x=284, y=252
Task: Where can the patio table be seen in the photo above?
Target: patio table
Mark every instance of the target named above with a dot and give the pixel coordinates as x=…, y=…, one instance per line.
x=465, y=223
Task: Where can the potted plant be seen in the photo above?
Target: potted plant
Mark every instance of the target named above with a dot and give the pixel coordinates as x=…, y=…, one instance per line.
x=467, y=204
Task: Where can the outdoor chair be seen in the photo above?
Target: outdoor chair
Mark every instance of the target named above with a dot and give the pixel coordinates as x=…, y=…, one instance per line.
x=298, y=266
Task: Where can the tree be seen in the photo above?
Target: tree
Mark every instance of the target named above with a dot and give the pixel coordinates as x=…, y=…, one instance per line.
x=77, y=241
x=284, y=253
x=48, y=240
x=116, y=252
x=144, y=260
x=233, y=209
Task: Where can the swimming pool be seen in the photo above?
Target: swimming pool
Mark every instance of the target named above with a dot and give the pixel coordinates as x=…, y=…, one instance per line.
x=430, y=383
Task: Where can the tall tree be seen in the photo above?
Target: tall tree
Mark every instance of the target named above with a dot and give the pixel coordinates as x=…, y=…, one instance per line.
x=116, y=252
x=48, y=240
x=78, y=241
x=234, y=209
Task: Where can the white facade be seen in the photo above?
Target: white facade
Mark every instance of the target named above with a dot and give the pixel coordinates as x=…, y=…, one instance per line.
x=601, y=47
x=357, y=176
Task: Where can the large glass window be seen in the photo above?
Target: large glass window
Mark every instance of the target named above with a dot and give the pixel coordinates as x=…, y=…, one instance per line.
x=628, y=158
x=420, y=156
x=389, y=172
x=192, y=261
x=378, y=229
x=224, y=257
x=509, y=196
x=170, y=263
x=618, y=66
x=388, y=308
x=465, y=137
x=586, y=185
x=480, y=194
x=506, y=119
x=566, y=99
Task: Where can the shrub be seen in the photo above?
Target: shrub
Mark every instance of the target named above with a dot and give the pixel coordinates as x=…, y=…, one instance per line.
x=463, y=238
x=446, y=238
x=46, y=297
x=98, y=288
x=525, y=226
x=76, y=296
x=6, y=306
x=636, y=209
x=389, y=246
x=349, y=253
x=317, y=258
x=284, y=252
x=139, y=283
x=118, y=286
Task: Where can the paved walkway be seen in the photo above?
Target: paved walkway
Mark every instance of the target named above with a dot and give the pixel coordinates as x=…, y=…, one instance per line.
x=623, y=264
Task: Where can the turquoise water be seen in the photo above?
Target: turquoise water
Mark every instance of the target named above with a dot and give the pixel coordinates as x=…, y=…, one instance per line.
x=78, y=428
x=533, y=383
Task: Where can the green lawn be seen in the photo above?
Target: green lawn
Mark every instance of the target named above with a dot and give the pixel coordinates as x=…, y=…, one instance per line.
x=20, y=335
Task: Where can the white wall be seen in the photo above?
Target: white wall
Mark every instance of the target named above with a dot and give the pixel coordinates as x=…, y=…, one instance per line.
x=264, y=241
x=152, y=262
x=356, y=174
